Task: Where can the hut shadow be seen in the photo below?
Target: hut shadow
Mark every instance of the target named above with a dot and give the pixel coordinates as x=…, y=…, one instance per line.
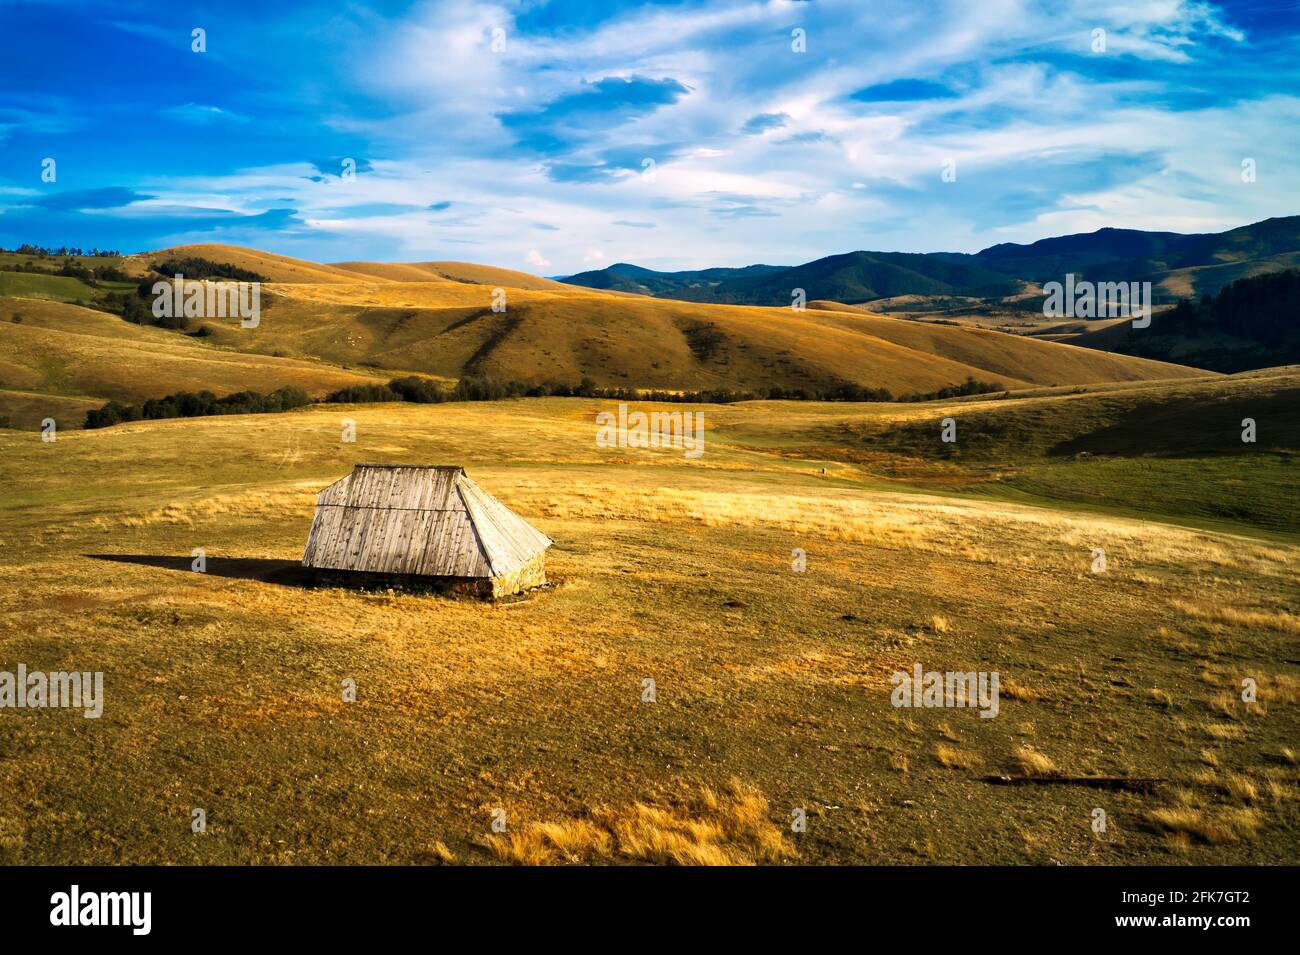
x=286, y=573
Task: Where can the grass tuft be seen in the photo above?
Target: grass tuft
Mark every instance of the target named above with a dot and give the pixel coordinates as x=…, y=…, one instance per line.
x=955, y=758
x=710, y=829
x=1030, y=762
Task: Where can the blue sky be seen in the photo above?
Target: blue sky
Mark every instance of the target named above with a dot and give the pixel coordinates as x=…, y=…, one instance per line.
x=562, y=136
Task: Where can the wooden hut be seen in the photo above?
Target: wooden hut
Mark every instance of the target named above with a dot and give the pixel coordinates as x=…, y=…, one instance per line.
x=422, y=527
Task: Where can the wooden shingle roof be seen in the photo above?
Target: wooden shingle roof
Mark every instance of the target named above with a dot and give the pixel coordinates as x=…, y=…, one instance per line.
x=411, y=519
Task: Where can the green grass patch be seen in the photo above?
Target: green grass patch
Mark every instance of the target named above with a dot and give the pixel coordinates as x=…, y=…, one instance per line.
x=1239, y=493
x=58, y=288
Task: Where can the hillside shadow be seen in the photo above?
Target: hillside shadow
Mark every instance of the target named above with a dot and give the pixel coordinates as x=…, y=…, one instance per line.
x=286, y=573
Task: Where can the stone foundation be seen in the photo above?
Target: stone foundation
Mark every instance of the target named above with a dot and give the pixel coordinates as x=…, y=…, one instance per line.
x=530, y=575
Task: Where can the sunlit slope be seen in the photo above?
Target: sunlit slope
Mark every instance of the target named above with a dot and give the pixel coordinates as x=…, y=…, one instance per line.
x=449, y=328
x=272, y=267
x=82, y=355
x=451, y=272
x=283, y=268
x=1012, y=356
x=437, y=318
x=1172, y=417
x=38, y=285
x=1173, y=448
x=28, y=410
x=1198, y=280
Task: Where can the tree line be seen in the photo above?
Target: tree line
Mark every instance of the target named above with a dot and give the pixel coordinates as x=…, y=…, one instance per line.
x=1260, y=308
x=481, y=388
x=42, y=252
x=91, y=275
x=195, y=404
x=417, y=390
x=1248, y=324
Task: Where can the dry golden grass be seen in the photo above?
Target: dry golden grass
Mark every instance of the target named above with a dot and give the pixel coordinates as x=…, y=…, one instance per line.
x=1015, y=690
x=1030, y=762
x=1178, y=842
x=452, y=272
x=542, y=843
x=1225, y=731
x=1216, y=828
x=1227, y=704
x=1277, y=688
x=272, y=267
x=12, y=836
x=663, y=567
x=574, y=838
x=955, y=758
x=709, y=829
x=1205, y=777
x=1241, y=788
x=1281, y=620
x=441, y=854
x=529, y=847
x=1277, y=791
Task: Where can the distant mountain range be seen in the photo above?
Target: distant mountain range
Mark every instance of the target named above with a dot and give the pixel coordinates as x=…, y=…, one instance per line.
x=1178, y=265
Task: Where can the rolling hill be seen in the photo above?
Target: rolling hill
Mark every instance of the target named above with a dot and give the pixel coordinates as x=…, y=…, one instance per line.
x=59, y=360
x=285, y=269
x=850, y=278
x=623, y=277
x=1179, y=264
x=463, y=272
x=325, y=327
x=448, y=329
x=1249, y=324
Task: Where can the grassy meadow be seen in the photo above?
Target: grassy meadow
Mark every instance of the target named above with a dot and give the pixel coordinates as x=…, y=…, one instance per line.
x=772, y=688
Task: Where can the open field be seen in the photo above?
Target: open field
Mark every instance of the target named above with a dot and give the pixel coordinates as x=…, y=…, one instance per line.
x=223, y=689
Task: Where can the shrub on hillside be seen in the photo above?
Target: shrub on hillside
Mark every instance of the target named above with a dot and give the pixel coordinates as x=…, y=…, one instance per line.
x=418, y=390
x=362, y=394
x=193, y=267
x=192, y=404
x=970, y=386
